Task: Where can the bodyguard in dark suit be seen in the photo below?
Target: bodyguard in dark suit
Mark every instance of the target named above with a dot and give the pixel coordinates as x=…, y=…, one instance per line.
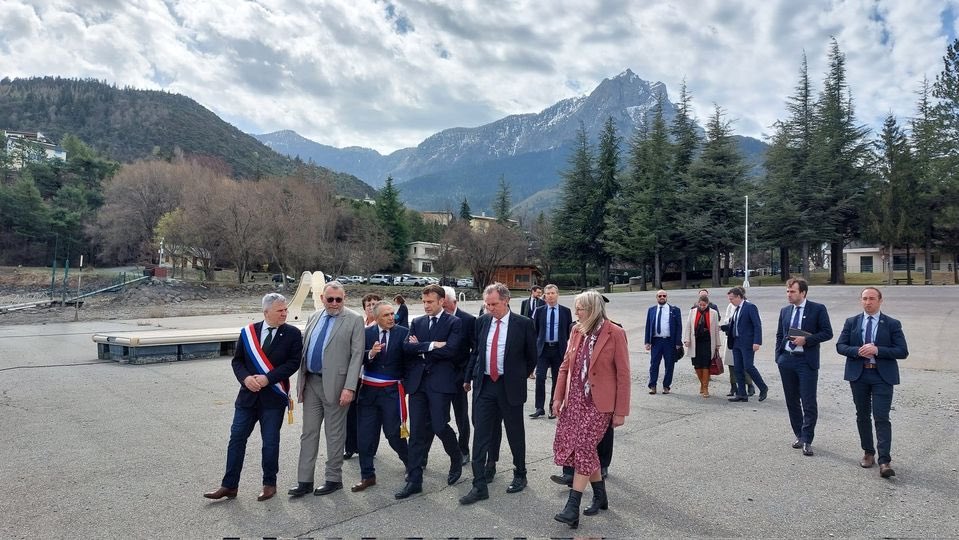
x=528, y=306
x=431, y=380
x=745, y=333
x=798, y=359
x=381, y=400
x=267, y=354
x=505, y=356
x=467, y=344
x=552, y=322
x=872, y=342
x=664, y=329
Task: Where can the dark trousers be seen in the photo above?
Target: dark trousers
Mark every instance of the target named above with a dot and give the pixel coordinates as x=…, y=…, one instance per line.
x=461, y=413
x=429, y=416
x=244, y=419
x=490, y=408
x=661, y=350
x=378, y=408
x=352, y=444
x=872, y=394
x=744, y=363
x=799, y=389
x=551, y=359
x=604, y=449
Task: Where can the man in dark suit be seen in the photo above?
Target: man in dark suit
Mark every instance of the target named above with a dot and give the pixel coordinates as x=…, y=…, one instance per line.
x=381, y=401
x=745, y=332
x=797, y=356
x=664, y=329
x=528, y=306
x=504, y=358
x=267, y=354
x=552, y=322
x=467, y=344
x=872, y=342
x=431, y=379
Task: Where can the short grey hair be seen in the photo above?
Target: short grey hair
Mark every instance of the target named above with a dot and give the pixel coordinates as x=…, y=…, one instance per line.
x=450, y=292
x=335, y=285
x=270, y=298
x=380, y=304
x=499, y=288
x=551, y=287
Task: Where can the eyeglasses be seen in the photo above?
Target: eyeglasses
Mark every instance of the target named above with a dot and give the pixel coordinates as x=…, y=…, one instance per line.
x=334, y=299
x=660, y=296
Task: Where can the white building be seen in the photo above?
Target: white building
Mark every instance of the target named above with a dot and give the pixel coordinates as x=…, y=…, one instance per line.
x=26, y=146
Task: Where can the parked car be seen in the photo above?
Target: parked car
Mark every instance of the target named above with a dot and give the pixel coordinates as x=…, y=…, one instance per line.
x=465, y=282
x=344, y=279
x=381, y=279
x=432, y=280
x=278, y=278
x=407, y=279
x=358, y=279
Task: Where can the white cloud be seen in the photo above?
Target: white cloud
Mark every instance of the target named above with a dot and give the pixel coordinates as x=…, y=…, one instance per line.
x=386, y=74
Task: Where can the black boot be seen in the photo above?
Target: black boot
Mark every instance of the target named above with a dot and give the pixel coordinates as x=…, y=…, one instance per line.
x=732, y=390
x=600, y=502
x=570, y=514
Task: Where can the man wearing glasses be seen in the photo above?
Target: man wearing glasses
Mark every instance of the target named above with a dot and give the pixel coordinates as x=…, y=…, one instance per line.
x=333, y=345
x=663, y=336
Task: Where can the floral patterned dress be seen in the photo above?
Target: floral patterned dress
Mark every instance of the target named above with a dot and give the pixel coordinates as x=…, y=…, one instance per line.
x=580, y=426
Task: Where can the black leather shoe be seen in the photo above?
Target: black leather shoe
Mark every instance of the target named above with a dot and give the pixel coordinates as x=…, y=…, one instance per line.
x=518, y=484
x=456, y=470
x=409, y=489
x=301, y=489
x=797, y=444
x=328, y=487
x=348, y=455
x=490, y=472
x=605, y=472
x=466, y=457
x=473, y=496
x=739, y=398
x=885, y=470
x=562, y=479
x=750, y=390
x=763, y=394
x=551, y=416
x=538, y=413
x=807, y=449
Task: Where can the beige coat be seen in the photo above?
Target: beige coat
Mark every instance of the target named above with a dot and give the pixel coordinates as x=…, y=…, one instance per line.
x=689, y=336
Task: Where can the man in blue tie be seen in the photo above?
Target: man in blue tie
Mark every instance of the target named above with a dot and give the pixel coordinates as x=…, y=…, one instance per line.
x=803, y=325
x=552, y=322
x=872, y=343
x=663, y=336
x=745, y=332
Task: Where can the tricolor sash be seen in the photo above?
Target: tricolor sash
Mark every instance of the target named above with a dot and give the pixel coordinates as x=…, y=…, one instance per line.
x=379, y=381
x=251, y=343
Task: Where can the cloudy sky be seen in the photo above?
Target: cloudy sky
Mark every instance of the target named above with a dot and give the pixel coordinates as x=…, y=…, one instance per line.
x=386, y=74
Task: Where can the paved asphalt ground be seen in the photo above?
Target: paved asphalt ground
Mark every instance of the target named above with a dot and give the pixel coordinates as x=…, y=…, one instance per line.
x=101, y=450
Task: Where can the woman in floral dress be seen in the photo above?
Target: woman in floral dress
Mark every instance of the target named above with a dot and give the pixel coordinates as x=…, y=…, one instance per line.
x=592, y=388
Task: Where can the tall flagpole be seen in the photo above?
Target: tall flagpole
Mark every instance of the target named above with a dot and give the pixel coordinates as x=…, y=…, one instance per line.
x=746, y=261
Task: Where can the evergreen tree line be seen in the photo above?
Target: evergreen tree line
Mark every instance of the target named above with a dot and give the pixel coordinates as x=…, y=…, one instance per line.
x=674, y=200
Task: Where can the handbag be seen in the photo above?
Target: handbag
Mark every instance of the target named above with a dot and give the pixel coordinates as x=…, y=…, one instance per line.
x=680, y=352
x=716, y=365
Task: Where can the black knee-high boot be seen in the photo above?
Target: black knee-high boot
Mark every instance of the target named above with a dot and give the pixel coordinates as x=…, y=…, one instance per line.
x=600, y=502
x=570, y=514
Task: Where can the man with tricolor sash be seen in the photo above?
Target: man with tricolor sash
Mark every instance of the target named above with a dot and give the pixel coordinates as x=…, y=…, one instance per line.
x=267, y=355
x=381, y=403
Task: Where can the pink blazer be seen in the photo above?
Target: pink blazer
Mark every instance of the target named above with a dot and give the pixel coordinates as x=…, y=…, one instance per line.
x=608, y=372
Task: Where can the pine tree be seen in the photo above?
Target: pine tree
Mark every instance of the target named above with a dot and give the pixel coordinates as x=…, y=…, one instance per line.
x=502, y=206
x=465, y=213
x=392, y=216
x=570, y=241
x=605, y=190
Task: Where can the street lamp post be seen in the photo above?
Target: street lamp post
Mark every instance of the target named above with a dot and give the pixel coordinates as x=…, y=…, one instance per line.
x=746, y=260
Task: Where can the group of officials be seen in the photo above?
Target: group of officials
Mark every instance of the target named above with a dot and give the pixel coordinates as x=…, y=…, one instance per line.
x=405, y=381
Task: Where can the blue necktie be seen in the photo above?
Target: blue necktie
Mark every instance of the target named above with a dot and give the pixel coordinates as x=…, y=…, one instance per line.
x=659, y=321
x=869, y=338
x=552, y=320
x=794, y=324
x=736, y=321
x=316, y=360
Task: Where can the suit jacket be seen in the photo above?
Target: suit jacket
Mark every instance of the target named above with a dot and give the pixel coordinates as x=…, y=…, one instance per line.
x=284, y=354
x=528, y=306
x=388, y=363
x=750, y=327
x=608, y=371
x=541, y=320
x=519, y=356
x=675, y=325
x=815, y=320
x=890, y=341
x=467, y=344
x=402, y=316
x=342, y=357
x=434, y=370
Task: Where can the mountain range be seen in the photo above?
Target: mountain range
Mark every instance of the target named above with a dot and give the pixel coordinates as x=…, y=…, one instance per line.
x=529, y=151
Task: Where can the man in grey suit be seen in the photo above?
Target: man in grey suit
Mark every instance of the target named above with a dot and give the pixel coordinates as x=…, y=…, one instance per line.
x=333, y=345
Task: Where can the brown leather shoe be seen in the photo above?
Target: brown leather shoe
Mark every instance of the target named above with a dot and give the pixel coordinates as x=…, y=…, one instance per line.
x=266, y=493
x=867, y=461
x=885, y=470
x=363, y=484
x=220, y=493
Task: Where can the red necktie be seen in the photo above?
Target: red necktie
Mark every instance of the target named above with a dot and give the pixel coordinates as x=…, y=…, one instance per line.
x=493, y=370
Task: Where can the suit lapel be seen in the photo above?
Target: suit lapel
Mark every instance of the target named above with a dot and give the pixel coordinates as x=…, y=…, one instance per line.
x=600, y=342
